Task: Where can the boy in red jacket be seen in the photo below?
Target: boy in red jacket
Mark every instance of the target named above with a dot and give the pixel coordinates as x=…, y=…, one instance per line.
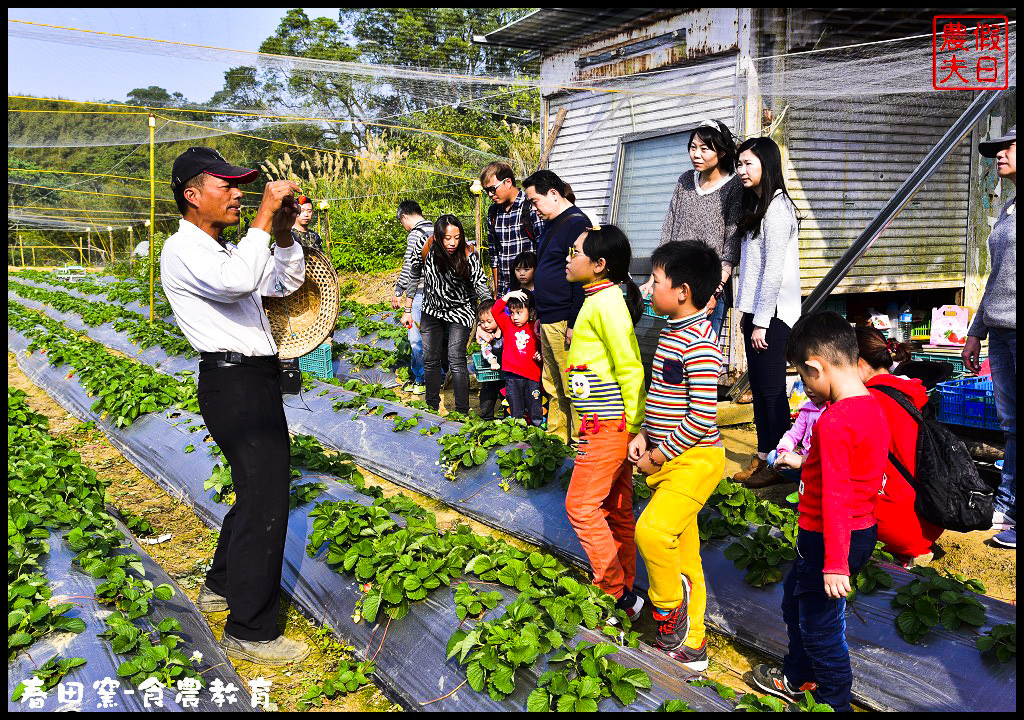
x=839, y=485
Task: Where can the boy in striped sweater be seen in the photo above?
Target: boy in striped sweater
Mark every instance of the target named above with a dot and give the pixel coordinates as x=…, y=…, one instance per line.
x=679, y=447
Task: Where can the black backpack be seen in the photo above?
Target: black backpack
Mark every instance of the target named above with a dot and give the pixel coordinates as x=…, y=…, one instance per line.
x=950, y=492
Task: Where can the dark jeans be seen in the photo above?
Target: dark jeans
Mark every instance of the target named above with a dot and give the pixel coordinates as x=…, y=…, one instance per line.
x=242, y=409
x=490, y=397
x=524, y=398
x=433, y=331
x=767, y=371
x=1002, y=355
x=817, y=623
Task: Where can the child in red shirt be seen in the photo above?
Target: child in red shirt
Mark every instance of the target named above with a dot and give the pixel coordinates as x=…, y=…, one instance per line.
x=520, y=357
x=906, y=535
x=839, y=486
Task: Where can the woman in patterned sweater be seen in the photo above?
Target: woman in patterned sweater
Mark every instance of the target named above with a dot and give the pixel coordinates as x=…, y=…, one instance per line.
x=453, y=284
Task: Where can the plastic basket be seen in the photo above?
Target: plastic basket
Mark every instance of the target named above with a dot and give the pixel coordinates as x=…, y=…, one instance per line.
x=318, y=362
x=969, y=401
x=835, y=304
x=483, y=370
x=921, y=330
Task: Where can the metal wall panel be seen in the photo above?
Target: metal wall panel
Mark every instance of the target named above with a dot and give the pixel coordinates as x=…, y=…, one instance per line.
x=843, y=166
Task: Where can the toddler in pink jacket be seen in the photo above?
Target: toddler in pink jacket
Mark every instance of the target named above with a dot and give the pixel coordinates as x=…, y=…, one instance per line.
x=785, y=460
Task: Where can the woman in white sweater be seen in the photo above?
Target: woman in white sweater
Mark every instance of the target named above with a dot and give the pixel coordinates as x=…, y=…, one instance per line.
x=769, y=289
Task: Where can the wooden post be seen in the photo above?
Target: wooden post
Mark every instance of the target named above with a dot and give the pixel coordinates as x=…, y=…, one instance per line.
x=550, y=142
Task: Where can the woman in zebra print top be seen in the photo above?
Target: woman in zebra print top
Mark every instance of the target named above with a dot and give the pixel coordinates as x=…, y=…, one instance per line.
x=453, y=284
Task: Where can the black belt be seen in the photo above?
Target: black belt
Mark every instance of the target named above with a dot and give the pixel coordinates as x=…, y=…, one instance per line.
x=230, y=359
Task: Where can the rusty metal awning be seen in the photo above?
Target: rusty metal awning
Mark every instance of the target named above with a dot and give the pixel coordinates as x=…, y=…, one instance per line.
x=558, y=28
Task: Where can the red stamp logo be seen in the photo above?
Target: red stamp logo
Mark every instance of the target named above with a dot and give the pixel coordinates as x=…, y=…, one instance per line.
x=970, y=52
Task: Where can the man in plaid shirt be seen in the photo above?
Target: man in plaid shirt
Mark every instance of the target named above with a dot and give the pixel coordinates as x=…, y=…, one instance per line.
x=512, y=225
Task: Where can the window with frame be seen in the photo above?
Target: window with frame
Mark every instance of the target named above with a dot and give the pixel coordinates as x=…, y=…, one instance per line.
x=647, y=173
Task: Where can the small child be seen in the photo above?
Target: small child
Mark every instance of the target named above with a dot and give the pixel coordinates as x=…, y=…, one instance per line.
x=488, y=334
x=523, y=266
x=679, y=447
x=784, y=461
x=606, y=387
x=839, y=486
x=520, y=355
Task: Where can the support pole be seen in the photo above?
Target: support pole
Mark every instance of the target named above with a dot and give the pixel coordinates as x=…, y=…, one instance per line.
x=152, y=208
x=81, y=258
x=977, y=110
x=21, y=245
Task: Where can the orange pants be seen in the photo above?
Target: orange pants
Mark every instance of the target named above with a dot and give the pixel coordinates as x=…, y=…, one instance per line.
x=600, y=507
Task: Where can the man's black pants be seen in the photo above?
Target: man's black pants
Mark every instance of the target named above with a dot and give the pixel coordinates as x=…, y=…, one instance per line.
x=243, y=411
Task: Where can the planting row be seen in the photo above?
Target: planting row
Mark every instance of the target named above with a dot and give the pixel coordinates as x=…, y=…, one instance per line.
x=410, y=556
x=115, y=601
x=402, y=457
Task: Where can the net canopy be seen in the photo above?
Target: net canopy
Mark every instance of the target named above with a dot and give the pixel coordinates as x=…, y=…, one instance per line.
x=322, y=118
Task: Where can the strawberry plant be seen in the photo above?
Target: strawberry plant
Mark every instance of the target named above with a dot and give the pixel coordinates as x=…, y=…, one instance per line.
x=347, y=679
x=30, y=616
x=221, y=484
x=150, y=655
x=760, y=703
x=674, y=706
x=534, y=465
x=587, y=678
x=492, y=651
x=809, y=704
x=51, y=672
x=399, y=423
x=343, y=525
x=760, y=555
x=471, y=604
x=1001, y=640
x=932, y=598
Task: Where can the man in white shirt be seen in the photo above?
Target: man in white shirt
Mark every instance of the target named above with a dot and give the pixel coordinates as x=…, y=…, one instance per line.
x=214, y=288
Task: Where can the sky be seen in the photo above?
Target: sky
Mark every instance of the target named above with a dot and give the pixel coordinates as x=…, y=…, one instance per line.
x=49, y=69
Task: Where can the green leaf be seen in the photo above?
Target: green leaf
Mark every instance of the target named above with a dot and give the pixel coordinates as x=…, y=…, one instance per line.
x=475, y=676
x=625, y=692
x=371, y=604
x=539, y=701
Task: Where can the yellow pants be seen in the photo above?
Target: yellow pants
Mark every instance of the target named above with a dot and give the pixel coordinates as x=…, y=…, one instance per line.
x=563, y=421
x=666, y=533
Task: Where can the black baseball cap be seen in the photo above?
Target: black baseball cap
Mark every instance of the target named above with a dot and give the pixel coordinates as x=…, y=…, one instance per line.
x=990, y=147
x=197, y=160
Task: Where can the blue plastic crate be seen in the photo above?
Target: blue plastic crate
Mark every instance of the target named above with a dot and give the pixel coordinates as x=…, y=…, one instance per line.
x=483, y=369
x=970, y=401
x=318, y=362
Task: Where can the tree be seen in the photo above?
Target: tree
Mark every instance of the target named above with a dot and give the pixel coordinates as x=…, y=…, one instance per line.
x=154, y=96
x=407, y=37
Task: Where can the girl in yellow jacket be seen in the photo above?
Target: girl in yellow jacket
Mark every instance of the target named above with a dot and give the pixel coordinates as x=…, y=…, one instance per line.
x=606, y=380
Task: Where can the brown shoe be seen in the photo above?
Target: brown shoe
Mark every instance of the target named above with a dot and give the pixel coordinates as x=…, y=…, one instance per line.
x=280, y=651
x=756, y=464
x=766, y=477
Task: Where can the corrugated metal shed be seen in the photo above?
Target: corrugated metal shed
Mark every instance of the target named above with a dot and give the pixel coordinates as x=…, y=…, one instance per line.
x=841, y=174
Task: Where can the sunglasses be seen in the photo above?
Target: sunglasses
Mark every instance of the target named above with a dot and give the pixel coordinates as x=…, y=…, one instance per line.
x=489, y=189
